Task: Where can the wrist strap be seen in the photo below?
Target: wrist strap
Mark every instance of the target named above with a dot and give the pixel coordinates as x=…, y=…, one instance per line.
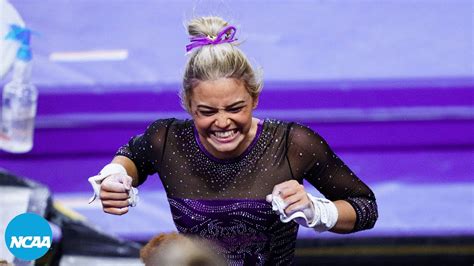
x=112, y=168
x=325, y=214
x=95, y=181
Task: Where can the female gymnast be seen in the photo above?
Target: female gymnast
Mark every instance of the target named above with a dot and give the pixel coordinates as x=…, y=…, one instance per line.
x=230, y=177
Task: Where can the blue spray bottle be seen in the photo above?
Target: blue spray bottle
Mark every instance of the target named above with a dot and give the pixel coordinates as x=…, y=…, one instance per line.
x=20, y=99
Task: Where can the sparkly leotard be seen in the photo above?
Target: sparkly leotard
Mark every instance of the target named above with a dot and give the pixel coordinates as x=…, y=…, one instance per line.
x=224, y=200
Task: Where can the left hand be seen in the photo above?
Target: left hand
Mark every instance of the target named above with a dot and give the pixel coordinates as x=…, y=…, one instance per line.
x=295, y=198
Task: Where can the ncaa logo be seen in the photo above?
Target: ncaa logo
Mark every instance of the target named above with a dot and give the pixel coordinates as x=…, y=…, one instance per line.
x=28, y=236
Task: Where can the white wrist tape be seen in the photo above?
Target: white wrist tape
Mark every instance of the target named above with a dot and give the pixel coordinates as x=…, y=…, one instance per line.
x=324, y=215
x=110, y=169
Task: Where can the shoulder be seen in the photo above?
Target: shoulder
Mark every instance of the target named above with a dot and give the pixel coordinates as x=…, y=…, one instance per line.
x=295, y=133
x=304, y=137
x=167, y=124
x=292, y=129
x=288, y=128
x=161, y=123
x=306, y=145
x=299, y=130
x=276, y=125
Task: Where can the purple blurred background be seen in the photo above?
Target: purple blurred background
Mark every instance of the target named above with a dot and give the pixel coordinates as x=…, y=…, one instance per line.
x=389, y=84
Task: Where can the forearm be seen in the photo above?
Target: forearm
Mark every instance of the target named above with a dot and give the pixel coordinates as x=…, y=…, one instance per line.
x=346, y=217
x=129, y=166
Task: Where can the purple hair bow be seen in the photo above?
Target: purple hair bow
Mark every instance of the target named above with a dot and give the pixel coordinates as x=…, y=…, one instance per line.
x=222, y=37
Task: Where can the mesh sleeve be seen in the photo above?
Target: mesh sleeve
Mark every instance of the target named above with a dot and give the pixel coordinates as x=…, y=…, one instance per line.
x=310, y=156
x=146, y=150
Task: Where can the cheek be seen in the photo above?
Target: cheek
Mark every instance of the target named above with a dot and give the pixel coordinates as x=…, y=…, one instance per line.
x=243, y=121
x=244, y=118
x=202, y=124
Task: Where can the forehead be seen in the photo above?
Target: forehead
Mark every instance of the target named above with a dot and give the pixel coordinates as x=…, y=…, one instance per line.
x=220, y=92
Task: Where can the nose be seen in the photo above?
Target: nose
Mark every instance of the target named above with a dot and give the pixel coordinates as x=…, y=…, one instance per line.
x=222, y=121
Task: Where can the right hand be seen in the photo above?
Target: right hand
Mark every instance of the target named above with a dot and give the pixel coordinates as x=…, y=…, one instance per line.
x=114, y=193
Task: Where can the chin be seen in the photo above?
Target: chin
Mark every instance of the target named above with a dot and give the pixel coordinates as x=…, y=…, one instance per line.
x=228, y=150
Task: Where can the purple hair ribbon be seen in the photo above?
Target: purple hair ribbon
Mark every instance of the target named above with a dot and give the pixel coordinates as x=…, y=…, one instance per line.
x=222, y=37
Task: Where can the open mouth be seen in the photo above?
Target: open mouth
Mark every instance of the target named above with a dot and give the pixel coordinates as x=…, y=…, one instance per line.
x=225, y=136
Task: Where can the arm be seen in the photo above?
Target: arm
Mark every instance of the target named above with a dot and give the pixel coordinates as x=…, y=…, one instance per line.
x=346, y=217
x=297, y=199
x=129, y=166
x=310, y=157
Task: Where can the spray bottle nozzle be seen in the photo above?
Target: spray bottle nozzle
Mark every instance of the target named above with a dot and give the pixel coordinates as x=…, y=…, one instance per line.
x=21, y=35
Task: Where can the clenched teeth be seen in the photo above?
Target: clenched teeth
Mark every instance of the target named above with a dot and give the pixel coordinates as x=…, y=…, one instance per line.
x=224, y=134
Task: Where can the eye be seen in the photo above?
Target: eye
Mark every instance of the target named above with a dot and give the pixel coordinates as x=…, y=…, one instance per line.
x=207, y=113
x=235, y=109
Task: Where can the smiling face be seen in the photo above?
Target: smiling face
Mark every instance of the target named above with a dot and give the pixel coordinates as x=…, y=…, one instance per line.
x=222, y=114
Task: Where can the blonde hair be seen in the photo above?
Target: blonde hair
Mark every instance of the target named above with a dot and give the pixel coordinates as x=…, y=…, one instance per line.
x=212, y=62
x=172, y=249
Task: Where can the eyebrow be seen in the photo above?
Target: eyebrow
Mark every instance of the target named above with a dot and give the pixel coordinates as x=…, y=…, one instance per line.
x=227, y=107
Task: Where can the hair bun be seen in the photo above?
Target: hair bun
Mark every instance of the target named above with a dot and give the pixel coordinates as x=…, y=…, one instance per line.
x=206, y=26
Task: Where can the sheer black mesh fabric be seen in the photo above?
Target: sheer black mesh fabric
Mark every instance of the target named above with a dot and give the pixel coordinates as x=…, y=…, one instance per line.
x=283, y=151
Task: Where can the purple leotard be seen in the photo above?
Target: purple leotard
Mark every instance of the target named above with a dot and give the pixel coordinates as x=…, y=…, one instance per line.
x=224, y=200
